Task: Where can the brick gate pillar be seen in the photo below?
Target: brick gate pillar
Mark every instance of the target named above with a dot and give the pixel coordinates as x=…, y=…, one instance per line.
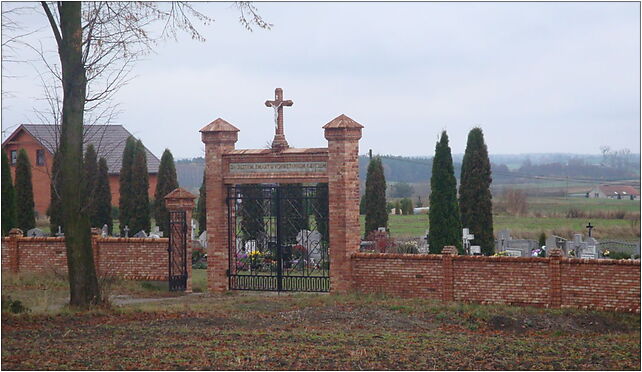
x=343, y=136
x=219, y=137
x=183, y=200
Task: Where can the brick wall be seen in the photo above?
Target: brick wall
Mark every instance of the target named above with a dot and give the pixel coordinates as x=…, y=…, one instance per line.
x=605, y=284
x=544, y=282
x=406, y=275
x=130, y=258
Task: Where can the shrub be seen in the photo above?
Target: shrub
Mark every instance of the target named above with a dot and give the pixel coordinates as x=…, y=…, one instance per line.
x=619, y=255
x=514, y=202
x=13, y=306
x=406, y=247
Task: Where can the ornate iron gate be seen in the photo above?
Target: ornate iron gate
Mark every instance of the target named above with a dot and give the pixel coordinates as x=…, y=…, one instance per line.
x=278, y=238
x=177, y=251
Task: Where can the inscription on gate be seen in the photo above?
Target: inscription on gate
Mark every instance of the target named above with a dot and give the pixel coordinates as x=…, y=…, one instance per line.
x=281, y=167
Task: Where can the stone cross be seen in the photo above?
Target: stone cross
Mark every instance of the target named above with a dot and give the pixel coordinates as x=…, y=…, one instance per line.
x=279, y=141
x=126, y=230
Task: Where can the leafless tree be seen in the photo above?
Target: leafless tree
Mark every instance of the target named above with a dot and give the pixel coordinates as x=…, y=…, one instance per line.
x=97, y=44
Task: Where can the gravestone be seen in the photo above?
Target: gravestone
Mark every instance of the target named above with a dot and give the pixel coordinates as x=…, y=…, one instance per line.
x=156, y=233
x=140, y=234
x=105, y=231
x=36, y=233
x=514, y=247
x=203, y=239
x=311, y=241
x=582, y=249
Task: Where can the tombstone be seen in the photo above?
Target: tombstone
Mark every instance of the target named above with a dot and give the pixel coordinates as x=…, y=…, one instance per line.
x=475, y=250
x=250, y=246
x=194, y=229
x=36, y=233
x=105, y=231
x=140, y=234
x=126, y=231
x=203, y=239
x=60, y=233
x=311, y=240
x=156, y=233
x=582, y=249
x=514, y=247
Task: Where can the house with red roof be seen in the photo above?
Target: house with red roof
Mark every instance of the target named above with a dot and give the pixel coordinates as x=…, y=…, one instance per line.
x=40, y=141
x=624, y=192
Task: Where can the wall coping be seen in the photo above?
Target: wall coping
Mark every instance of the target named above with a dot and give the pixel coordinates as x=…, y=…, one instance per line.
x=423, y=256
x=132, y=240
x=52, y=239
x=406, y=256
x=575, y=261
x=41, y=239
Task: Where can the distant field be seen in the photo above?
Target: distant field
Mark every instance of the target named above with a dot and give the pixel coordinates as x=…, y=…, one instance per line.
x=547, y=215
x=562, y=205
x=525, y=227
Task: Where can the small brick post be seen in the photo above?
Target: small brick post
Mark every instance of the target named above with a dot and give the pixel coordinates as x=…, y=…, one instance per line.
x=343, y=136
x=183, y=200
x=14, y=252
x=555, y=276
x=448, y=293
x=219, y=137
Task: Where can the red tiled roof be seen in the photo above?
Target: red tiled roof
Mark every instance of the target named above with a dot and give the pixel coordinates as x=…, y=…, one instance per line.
x=619, y=189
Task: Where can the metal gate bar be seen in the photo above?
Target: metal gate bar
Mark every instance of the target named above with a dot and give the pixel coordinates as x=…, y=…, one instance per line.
x=177, y=251
x=278, y=238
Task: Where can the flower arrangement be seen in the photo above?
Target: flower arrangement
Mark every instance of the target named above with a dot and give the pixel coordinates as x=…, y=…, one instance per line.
x=501, y=254
x=606, y=253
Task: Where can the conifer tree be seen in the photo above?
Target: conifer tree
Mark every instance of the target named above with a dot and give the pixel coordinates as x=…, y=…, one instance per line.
x=295, y=212
x=125, y=180
x=167, y=182
x=406, y=207
x=55, y=204
x=252, y=211
x=445, y=224
x=321, y=210
x=140, y=217
x=25, y=215
x=102, y=198
x=474, y=192
x=8, y=197
x=90, y=176
x=201, y=208
x=376, y=213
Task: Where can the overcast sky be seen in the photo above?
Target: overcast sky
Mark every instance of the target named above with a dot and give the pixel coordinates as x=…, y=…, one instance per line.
x=537, y=77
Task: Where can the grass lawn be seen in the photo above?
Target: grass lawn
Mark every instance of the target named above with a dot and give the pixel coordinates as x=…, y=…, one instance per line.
x=415, y=226
x=240, y=331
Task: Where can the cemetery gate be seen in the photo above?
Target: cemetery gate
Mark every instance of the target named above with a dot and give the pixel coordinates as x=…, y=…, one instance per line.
x=278, y=238
x=178, y=251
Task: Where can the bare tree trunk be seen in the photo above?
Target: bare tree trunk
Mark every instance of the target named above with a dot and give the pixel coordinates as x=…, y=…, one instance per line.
x=83, y=282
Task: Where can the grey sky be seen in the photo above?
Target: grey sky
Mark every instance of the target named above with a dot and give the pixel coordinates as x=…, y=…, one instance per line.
x=537, y=77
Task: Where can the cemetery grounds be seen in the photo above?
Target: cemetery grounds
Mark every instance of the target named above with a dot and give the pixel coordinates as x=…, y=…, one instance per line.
x=148, y=327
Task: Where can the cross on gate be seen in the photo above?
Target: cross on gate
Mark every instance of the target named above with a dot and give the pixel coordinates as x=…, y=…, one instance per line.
x=589, y=227
x=279, y=141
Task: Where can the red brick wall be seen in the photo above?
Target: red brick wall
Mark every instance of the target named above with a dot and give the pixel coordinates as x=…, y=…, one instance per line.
x=405, y=275
x=131, y=258
x=521, y=281
x=546, y=282
x=604, y=284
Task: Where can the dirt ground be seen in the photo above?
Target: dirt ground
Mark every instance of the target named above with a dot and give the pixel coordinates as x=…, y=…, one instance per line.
x=252, y=331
